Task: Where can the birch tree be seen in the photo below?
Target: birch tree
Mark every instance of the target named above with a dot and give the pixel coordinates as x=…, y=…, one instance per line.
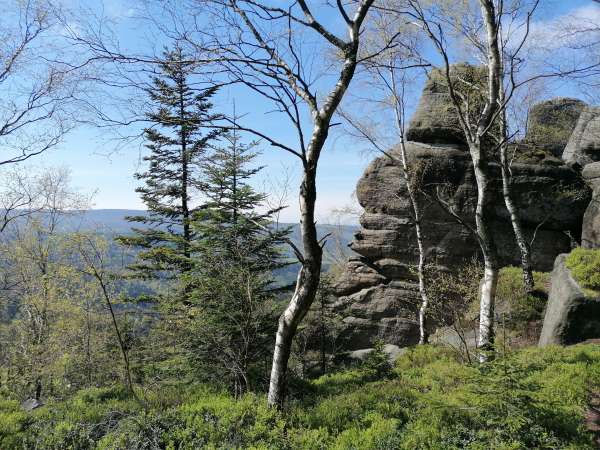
x=298, y=58
x=389, y=74
x=476, y=131
x=264, y=48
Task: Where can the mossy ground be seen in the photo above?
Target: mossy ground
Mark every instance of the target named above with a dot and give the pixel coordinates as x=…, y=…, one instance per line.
x=584, y=264
x=527, y=399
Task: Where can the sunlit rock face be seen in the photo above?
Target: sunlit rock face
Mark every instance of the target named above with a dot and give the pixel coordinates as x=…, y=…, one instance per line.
x=584, y=144
x=590, y=234
x=377, y=292
x=572, y=314
x=551, y=123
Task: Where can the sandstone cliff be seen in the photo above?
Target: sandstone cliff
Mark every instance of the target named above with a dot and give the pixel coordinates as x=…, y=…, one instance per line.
x=377, y=292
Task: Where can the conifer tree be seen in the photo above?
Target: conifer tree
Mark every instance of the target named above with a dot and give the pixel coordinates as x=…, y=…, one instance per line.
x=178, y=148
x=232, y=277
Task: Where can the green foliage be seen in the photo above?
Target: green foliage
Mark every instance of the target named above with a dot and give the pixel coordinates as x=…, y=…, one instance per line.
x=206, y=421
x=230, y=287
x=529, y=399
x=584, y=264
x=519, y=306
x=178, y=145
x=60, y=338
x=77, y=424
x=377, y=363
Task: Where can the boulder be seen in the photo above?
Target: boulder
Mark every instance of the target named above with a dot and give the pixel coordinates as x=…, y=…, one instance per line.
x=591, y=174
x=435, y=120
x=380, y=284
x=358, y=275
x=377, y=292
x=551, y=123
x=392, y=351
x=358, y=333
x=571, y=316
x=551, y=200
x=584, y=144
x=30, y=404
x=590, y=233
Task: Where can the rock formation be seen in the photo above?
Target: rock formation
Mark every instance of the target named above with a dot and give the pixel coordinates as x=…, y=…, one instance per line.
x=584, y=145
x=551, y=123
x=590, y=235
x=377, y=292
x=571, y=317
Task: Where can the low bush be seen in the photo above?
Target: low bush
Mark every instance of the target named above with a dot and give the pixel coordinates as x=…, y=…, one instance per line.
x=521, y=307
x=527, y=399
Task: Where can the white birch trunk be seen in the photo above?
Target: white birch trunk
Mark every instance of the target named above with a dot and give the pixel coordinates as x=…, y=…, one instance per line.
x=416, y=208
x=515, y=220
x=485, y=338
x=309, y=275
x=414, y=202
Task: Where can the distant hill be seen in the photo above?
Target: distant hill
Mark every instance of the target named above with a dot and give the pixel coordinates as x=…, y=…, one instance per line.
x=114, y=222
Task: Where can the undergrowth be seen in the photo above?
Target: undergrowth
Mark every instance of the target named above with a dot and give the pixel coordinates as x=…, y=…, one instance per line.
x=528, y=399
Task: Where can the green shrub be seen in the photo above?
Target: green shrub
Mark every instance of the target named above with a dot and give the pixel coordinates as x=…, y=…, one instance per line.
x=13, y=422
x=520, y=306
x=584, y=264
x=377, y=365
x=381, y=433
x=527, y=399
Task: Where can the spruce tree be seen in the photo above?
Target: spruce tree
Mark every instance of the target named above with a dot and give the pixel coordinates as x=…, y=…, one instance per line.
x=178, y=147
x=232, y=280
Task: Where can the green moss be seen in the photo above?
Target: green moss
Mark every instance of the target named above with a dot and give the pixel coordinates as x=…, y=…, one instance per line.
x=584, y=265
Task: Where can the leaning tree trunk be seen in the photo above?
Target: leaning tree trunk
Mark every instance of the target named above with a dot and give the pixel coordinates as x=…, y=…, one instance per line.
x=515, y=220
x=309, y=275
x=524, y=247
x=307, y=284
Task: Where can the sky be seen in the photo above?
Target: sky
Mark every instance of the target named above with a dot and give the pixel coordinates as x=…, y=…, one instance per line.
x=97, y=166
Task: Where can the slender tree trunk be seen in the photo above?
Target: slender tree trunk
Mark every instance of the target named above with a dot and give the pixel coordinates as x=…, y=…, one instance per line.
x=423, y=333
x=117, y=333
x=307, y=284
x=88, y=344
x=415, y=206
x=522, y=243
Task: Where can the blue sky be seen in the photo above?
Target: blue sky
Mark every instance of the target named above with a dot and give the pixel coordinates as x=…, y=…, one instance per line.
x=97, y=167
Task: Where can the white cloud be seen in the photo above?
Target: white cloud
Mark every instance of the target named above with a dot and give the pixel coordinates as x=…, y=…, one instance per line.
x=569, y=30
